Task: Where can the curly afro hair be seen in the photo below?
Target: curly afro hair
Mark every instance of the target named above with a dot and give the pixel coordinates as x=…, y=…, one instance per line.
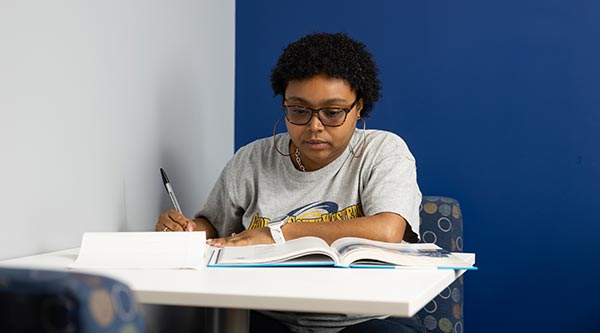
x=336, y=55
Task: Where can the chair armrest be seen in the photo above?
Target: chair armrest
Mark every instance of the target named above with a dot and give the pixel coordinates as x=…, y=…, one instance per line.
x=59, y=301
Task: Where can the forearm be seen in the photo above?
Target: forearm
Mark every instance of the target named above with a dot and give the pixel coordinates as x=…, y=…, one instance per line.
x=203, y=224
x=387, y=227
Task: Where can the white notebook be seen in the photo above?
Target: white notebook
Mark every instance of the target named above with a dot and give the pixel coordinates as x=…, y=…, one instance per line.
x=142, y=250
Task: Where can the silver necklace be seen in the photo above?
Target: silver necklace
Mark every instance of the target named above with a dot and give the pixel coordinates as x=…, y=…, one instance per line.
x=297, y=153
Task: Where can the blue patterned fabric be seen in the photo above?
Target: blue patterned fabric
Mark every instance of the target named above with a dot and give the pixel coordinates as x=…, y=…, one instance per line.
x=441, y=223
x=57, y=301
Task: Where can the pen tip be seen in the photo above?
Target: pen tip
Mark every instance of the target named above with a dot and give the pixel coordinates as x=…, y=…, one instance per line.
x=164, y=175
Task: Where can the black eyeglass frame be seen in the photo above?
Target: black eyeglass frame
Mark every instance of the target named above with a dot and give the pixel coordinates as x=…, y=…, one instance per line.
x=313, y=111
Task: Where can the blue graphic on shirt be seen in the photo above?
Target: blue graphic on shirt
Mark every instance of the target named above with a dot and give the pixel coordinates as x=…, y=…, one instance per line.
x=314, y=210
x=319, y=211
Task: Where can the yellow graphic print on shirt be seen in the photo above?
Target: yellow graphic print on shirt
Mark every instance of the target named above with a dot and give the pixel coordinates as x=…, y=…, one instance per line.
x=324, y=211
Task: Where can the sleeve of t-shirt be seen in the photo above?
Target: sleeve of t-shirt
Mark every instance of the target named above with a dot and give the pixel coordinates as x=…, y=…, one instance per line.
x=391, y=185
x=220, y=207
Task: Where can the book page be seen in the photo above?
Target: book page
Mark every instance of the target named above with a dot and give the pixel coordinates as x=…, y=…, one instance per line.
x=142, y=250
x=344, y=245
x=359, y=251
x=276, y=253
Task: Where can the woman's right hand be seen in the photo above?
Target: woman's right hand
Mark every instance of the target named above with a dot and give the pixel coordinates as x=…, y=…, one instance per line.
x=173, y=220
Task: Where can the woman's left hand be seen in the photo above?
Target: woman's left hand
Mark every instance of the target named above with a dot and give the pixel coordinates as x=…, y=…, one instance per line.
x=247, y=237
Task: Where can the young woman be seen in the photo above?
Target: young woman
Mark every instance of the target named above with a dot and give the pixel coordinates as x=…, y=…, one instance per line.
x=323, y=178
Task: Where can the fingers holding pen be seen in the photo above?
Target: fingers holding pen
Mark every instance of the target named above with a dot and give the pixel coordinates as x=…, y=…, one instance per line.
x=186, y=224
x=178, y=220
x=173, y=220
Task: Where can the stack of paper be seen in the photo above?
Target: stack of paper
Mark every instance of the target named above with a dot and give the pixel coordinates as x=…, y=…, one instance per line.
x=142, y=250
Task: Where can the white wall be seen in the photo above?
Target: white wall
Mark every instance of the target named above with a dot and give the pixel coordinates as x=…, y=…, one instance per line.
x=95, y=96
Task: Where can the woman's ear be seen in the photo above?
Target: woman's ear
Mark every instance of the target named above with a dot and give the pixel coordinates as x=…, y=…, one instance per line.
x=359, y=107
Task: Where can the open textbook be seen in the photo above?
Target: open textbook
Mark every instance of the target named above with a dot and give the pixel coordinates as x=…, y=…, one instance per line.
x=344, y=252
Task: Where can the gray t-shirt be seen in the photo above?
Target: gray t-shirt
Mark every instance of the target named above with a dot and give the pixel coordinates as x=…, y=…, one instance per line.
x=259, y=185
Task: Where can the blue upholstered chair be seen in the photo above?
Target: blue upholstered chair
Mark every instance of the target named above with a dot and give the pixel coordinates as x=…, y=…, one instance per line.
x=441, y=223
x=58, y=301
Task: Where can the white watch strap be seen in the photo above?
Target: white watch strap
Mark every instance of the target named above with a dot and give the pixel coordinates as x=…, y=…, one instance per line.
x=276, y=232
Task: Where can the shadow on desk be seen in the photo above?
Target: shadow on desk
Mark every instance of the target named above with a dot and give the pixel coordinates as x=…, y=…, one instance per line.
x=167, y=318
x=187, y=319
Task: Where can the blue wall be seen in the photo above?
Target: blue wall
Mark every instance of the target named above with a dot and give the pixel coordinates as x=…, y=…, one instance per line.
x=500, y=104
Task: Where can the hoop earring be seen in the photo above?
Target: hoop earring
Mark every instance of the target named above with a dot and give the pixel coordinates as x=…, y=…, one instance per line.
x=364, y=143
x=275, y=139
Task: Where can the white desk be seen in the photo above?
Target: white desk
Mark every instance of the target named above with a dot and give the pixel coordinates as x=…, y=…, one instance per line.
x=335, y=290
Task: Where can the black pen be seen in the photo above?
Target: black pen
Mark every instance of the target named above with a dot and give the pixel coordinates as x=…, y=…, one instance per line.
x=170, y=190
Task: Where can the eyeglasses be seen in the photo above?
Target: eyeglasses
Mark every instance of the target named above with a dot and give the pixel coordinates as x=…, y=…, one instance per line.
x=329, y=116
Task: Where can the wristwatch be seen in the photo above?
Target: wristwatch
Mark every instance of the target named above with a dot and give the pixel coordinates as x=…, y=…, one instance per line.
x=276, y=232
